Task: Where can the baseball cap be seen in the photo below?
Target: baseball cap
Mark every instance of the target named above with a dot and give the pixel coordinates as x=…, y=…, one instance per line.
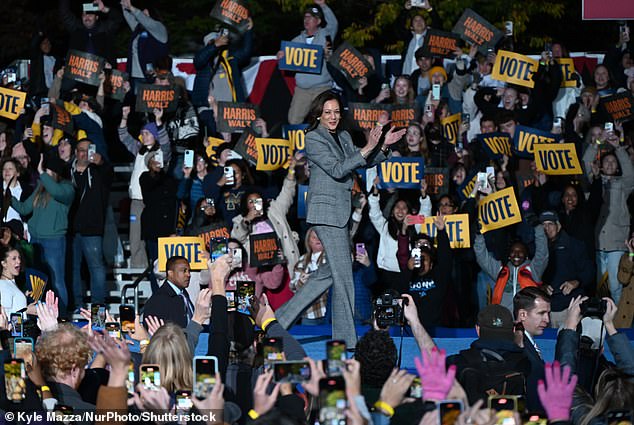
x=315, y=10
x=548, y=216
x=495, y=322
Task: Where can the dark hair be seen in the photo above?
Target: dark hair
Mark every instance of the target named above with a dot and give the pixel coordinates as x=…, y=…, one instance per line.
x=450, y=197
x=488, y=117
x=503, y=116
x=247, y=178
x=171, y=262
x=4, y=253
x=244, y=209
x=525, y=299
x=15, y=162
x=317, y=108
x=377, y=355
x=393, y=226
x=245, y=254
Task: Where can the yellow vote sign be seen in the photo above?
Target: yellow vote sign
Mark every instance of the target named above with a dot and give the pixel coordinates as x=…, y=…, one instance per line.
x=301, y=57
x=11, y=103
x=451, y=128
x=273, y=153
x=514, y=68
x=191, y=248
x=498, y=210
x=457, y=226
x=568, y=74
x=557, y=159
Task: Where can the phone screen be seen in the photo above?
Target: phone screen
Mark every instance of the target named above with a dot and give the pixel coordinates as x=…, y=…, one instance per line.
x=360, y=248
x=151, y=377
x=113, y=329
x=336, y=354
x=619, y=417
x=183, y=401
x=501, y=403
x=272, y=349
x=15, y=379
x=218, y=247
x=188, y=160
x=126, y=316
x=16, y=324
x=231, y=300
x=237, y=258
x=245, y=296
x=23, y=347
x=294, y=372
x=416, y=389
x=130, y=380
x=204, y=376
x=332, y=401
x=449, y=411
x=98, y=316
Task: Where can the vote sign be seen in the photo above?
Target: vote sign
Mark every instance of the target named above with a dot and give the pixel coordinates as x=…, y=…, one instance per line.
x=296, y=134
x=557, y=159
x=37, y=280
x=272, y=153
x=11, y=103
x=568, y=75
x=185, y=246
x=514, y=68
x=526, y=138
x=457, y=227
x=404, y=173
x=498, y=210
x=495, y=144
x=301, y=57
x=451, y=128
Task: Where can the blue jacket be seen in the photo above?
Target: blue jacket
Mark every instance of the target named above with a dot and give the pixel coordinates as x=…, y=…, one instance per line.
x=238, y=56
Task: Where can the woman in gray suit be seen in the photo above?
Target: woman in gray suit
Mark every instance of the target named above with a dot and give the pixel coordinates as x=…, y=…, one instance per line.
x=332, y=158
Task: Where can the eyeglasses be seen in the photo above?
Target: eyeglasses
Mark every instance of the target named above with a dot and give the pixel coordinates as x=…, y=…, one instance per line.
x=444, y=204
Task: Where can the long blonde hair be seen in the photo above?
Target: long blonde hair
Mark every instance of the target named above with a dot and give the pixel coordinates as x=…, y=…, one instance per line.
x=41, y=197
x=309, y=251
x=614, y=391
x=169, y=349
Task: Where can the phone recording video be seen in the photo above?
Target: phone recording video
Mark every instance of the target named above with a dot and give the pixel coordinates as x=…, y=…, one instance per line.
x=332, y=401
x=16, y=324
x=150, y=376
x=217, y=248
x=448, y=411
x=272, y=350
x=245, y=296
x=126, y=317
x=205, y=368
x=294, y=372
x=98, y=316
x=336, y=355
x=15, y=380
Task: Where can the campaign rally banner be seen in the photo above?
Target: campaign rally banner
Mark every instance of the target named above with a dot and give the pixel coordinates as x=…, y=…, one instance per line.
x=351, y=63
x=465, y=189
x=190, y=247
x=440, y=43
x=83, y=67
x=11, y=103
x=498, y=210
x=526, y=138
x=364, y=116
x=150, y=96
x=301, y=57
x=235, y=117
x=399, y=172
x=113, y=86
x=557, y=159
x=247, y=146
x=60, y=117
x=302, y=191
x=568, y=75
x=296, y=134
x=457, y=227
x=451, y=128
x=474, y=29
x=514, y=68
x=437, y=181
x=495, y=144
x=212, y=144
x=232, y=13
x=37, y=281
x=265, y=250
x=272, y=153
x=402, y=115
x=619, y=106
x=217, y=232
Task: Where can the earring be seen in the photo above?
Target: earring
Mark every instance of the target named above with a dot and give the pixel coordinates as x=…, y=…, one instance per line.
x=318, y=118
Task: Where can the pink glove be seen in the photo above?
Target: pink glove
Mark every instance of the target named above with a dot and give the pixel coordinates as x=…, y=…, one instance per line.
x=435, y=379
x=557, y=399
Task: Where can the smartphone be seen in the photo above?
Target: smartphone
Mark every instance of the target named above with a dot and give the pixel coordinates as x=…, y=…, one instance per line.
x=43, y=101
x=98, y=316
x=113, y=329
x=130, y=380
x=294, y=372
x=619, y=417
x=332, y=401
x=417, y=3
x=428, y=110
x=159, y=158
x=502, y=402
x=218, y=247
x=625, y=30
x=548, y=48
x=360, y=249
x=416, y=389
x=15, y=379
x=237, y=258
x=415, y=219
x=336, y=355
x=258, y=204
x=272, y=350
x=92, y=150
x=150, y=376
x=231, y=300
x=205, y=368
x=90, y=7
x=557, y=122
x=448, y=411
x=224, y=32
x=482, y=180
x=22, y=348
x=609, y=127
x=229, y=175
x=490, y=172
x=126, y=317
x=16, y=324
x=188, y=159
x=183, y=403
x=508, y=28
x=435, y=91
x=466, y=119
x=62, y=413
x=534, y=419
x=416, y=255
x=245, y=296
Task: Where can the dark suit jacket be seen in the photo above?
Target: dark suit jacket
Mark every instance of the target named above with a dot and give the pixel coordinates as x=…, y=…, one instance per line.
x=167, y=305
x=329, y=200
x=537, y=372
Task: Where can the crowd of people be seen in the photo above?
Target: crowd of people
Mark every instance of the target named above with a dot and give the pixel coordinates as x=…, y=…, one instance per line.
x=360, y=255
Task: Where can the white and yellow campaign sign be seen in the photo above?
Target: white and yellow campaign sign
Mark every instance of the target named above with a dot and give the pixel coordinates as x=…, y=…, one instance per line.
x=211, y=147
x=11, y=103
x=557, y=159
x=498, y=210
x=273, y=153
x=451, y=128
x=568, y=75
x=457, y=227
x=514, y=68
x=190, y=247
